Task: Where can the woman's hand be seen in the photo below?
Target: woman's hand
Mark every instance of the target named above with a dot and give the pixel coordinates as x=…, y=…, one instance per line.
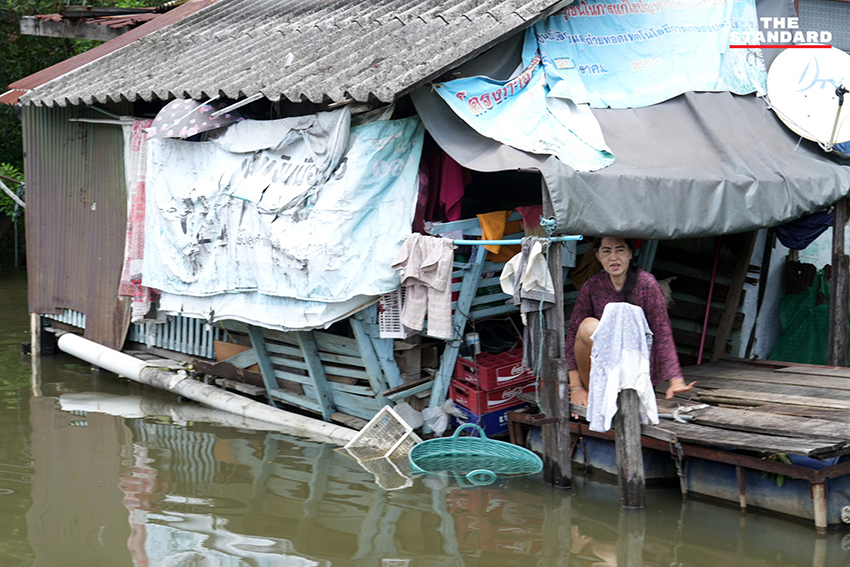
x=579, y=397
x=677, y=386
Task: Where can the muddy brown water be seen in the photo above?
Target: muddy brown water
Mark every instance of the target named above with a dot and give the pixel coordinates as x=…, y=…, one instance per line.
x=99, y=471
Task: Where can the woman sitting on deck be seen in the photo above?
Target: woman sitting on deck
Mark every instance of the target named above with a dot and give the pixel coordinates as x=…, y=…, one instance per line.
x=621, y=281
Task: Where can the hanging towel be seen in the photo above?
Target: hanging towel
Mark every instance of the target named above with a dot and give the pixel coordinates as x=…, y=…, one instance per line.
x=493, y=227
x=526, y=277
x=425, y=263
x=619, y=360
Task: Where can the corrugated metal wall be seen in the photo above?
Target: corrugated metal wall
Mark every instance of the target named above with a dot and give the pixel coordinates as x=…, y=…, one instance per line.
x=76, y=217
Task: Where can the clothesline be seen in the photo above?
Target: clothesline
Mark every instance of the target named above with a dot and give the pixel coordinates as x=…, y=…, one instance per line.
x=512, y=241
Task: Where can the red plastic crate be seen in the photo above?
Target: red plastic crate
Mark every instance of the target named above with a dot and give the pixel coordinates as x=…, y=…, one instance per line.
x=482, y=402
x=493, y=371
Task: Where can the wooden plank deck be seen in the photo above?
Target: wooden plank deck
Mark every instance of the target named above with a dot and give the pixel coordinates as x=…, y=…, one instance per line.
x=795, y=410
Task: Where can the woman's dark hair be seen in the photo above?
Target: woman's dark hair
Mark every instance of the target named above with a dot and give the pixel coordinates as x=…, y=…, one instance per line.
x=632, y=275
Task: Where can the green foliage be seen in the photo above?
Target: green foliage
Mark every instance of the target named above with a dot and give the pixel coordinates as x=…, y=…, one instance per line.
x=779, y=478
x=7, y=204
x=23, y=55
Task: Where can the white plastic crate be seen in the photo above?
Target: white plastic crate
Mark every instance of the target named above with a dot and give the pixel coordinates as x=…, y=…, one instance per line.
x=389, y=315
x=386, y=435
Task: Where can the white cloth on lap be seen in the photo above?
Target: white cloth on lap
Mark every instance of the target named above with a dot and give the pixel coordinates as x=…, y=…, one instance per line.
x=620, y=360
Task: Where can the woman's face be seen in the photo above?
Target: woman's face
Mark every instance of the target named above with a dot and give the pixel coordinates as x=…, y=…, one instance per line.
x=614, y=255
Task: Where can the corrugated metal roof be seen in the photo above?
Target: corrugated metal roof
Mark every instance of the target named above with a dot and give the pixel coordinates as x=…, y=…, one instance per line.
x=342, y=49
x=19, y=88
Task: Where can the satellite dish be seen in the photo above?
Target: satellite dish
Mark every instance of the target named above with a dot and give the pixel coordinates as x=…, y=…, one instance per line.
x=802, y=85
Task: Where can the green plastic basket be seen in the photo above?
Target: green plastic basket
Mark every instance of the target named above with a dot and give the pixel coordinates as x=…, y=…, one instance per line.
x=477, y=459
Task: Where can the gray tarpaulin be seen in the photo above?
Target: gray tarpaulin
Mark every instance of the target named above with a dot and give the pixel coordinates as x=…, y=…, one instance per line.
x=697, y=165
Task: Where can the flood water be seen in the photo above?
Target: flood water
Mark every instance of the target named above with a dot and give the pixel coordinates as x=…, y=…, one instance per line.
x=99, y=471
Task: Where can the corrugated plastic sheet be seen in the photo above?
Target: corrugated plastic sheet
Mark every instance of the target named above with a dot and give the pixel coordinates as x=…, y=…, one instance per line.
x=341, y=49
x=76, y=218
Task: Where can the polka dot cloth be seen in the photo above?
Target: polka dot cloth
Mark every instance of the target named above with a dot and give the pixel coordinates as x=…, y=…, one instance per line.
x=183, y=118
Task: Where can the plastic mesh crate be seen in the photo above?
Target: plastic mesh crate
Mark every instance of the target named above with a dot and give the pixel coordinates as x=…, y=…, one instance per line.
x=389, y=315
x=386, y=435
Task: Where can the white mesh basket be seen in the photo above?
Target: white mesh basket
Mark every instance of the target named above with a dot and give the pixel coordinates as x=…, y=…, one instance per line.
x=386, y=435
x=389, y=315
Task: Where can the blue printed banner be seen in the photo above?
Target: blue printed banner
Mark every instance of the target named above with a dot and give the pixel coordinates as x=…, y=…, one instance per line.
x=519, y=113
x=633, y=53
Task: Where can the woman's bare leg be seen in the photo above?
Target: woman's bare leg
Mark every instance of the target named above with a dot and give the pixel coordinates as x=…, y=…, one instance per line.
x=583, y=348
x=580, y=378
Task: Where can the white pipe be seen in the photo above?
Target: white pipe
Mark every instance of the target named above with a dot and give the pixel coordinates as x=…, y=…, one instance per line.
x=179, y=383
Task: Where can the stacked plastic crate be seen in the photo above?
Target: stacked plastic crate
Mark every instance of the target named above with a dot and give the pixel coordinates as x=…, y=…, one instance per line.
x=487, y=386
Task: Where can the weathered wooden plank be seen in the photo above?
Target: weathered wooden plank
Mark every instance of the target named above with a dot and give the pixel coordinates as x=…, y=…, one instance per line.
x=374, y=372
x=228, y=371
x=329, y=370
x=759, y=398
x=769, y=377
x=805, y=411
x=721, y=369
x=694, y=286
x=760, y=422
x=704, y=435
x=349, y=420
x=659, y=432
x=258, y=341
x=696, y=312
x=326, y=342
x=244, y=359
x=354, y=361
x=654, y=431
x=309, y=350
x=333, y=386
x=733, y=300
x=630, y=473
x=752, y=386
x=241, y=387
x=409, y=390
x=692, y=339
x=816, y=371
x=359, y=406
x=838, y=298
x=386, y=357
x=295, y=400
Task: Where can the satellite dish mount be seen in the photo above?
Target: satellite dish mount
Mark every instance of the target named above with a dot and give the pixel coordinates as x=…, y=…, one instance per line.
x=840, y=91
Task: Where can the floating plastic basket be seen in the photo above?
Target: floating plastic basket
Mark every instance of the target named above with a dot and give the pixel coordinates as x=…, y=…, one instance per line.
x=386, y=435
x=477, y=459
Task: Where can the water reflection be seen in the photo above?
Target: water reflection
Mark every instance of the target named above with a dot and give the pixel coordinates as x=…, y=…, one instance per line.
x=143, y=480
x=98, y=471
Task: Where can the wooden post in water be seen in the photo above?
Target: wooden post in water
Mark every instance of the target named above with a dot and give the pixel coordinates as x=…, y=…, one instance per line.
x=554, y=390
x=35, y=334
x=838, y=301
x=630, y=475
x=632, y=532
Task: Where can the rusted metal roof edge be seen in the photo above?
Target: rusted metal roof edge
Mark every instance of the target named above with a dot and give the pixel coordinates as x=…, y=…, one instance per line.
x=28, y=83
